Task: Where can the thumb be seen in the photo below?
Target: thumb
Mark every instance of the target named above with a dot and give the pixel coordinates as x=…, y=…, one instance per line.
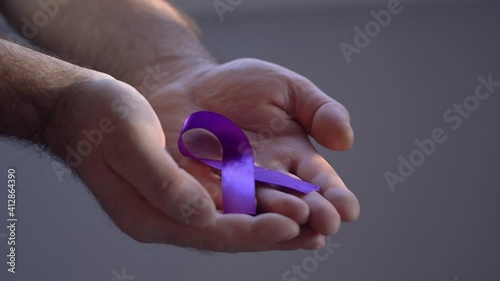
x=136, y=151
x=321, y=116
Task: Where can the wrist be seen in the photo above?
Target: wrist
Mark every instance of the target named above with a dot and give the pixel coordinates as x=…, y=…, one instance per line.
x=60, y=123
x=33, y=84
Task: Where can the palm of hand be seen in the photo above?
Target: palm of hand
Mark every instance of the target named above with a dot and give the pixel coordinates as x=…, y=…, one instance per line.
x=143, y=189
x=261, y=98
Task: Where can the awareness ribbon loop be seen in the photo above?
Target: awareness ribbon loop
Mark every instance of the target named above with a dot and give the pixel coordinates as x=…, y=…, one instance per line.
x=239, y=172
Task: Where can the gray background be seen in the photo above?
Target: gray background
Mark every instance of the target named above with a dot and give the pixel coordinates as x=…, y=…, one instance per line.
x=441, y=223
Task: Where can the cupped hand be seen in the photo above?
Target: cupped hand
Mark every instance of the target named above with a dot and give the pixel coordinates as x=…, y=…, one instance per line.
x=278, y=110
x=160, y=197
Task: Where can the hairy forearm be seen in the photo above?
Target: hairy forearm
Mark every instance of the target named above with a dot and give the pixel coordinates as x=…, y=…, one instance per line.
x=32, y=84
x=119, y=37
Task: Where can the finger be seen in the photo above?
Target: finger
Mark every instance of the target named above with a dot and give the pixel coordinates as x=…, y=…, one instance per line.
x=308, y=239
x=322, y=117
x=230, y=233
x=313, y=168
x=244, y=233
x=323, y=216
x=209, y=178
x=137, y=153
x=270, y=200
x=134, y=215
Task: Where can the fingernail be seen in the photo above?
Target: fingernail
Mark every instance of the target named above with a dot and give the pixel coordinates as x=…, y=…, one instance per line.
x=344, y=201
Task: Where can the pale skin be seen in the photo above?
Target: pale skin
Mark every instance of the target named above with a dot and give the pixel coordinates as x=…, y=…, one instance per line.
x=140, y=185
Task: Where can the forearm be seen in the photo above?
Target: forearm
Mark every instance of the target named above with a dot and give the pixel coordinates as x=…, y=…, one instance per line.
x=32, y=84
x=119, y=37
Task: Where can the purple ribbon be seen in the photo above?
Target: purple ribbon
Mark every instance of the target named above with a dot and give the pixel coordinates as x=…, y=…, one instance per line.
x=238, y=170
